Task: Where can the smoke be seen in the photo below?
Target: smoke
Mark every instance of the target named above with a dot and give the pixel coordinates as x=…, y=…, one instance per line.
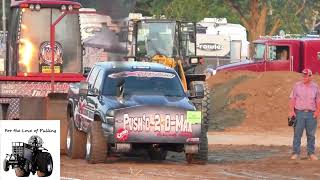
x=112, y=42
x=116, y=9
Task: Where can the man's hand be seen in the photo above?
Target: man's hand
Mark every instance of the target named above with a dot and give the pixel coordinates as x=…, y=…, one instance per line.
x=292, y=113
x=316, y=114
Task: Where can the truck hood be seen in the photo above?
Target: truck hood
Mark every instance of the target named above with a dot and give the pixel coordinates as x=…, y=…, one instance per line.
x=113, y=102
x=244, y=62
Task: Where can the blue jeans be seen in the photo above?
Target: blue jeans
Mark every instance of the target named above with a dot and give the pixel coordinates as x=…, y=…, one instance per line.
x=304, y=120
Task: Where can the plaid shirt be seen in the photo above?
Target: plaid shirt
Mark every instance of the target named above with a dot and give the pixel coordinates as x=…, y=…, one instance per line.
x=305, y=96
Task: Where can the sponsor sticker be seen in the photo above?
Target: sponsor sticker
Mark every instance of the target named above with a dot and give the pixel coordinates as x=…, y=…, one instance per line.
x=122, y=134
x=194, y=117
x=47, y=69
x=46, y=53
x=193, y=140
x=209, y=46
x=148, y=74
x=156, y=123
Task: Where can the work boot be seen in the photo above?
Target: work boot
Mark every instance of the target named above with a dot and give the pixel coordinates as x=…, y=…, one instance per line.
x=313, y=157
x=294, y=157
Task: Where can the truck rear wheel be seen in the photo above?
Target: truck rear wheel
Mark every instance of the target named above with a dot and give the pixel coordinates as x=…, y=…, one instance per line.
x=76, y=141
x=206, y=106
x=202, y=156
x=20, y=172
x=157, y=154
x=45, y=164
x=96, y=145
x=5, y=165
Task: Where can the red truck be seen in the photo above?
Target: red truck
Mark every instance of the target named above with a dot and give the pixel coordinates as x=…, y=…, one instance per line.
x=281, y=54
x=42, y=58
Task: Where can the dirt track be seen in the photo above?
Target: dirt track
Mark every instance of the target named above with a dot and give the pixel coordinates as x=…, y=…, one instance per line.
x=249, y=144
x=225, y=162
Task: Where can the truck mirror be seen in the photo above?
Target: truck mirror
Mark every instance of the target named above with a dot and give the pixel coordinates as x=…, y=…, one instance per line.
x=84, y=87
x=86, y=71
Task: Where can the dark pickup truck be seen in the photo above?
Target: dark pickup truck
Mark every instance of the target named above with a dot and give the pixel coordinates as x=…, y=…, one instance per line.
x=131, y=106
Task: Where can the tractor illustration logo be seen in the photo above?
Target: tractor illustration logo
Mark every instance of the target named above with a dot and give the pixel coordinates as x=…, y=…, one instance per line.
x=29, y=158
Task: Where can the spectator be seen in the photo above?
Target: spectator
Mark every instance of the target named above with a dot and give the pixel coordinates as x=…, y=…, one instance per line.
x=284, y=55
x=305, y=106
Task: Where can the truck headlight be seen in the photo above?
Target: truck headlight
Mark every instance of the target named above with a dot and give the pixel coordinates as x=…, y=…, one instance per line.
x=110, y=113
x=110, y=116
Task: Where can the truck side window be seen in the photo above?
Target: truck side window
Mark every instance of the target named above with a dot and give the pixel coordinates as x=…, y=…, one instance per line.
x=278, y=53
x=92, y=77
x=259, y=50
x=97, y=84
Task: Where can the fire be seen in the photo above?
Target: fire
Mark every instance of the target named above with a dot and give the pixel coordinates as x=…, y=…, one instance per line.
x=25, y=52
x=23, y=27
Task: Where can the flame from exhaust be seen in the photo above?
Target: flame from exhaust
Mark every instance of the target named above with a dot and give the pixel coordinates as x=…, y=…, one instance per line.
x=25, y=53
x=23, y=27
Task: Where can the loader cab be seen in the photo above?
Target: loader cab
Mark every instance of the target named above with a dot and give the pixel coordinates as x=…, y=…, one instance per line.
x=174, y=39
x=28, y=41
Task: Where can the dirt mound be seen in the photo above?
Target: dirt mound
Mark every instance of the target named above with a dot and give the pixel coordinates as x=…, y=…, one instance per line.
x=251, y=101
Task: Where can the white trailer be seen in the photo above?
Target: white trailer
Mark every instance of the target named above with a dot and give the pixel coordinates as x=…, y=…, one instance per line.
x=222, y=40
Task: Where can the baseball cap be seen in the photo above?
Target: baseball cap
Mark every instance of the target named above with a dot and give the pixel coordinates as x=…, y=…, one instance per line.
x=307, y=72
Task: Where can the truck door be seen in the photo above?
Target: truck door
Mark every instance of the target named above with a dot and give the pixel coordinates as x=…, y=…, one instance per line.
x=93, y=99
x=278, y=58
x=83, y=106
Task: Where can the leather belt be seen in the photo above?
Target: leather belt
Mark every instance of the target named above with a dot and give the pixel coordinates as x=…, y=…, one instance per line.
x=305, y=110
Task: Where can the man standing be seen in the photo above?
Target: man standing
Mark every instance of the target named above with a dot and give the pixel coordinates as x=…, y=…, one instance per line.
x=305, y=106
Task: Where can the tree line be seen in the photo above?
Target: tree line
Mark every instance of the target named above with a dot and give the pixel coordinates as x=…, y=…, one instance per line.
x=259, y=17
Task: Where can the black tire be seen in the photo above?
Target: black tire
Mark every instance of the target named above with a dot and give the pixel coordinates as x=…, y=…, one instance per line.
x=45, y=164
x=202, y=156
x=96, y=145
x=5, y=165
x=76, y=141
x=20, y=172
x=158, y=154
x=206, y=107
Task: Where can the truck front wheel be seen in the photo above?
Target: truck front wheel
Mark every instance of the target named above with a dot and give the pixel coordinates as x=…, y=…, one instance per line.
x=76, y=141
x=5, y=165
x=20, y=172
x=45, y=164
x=202, y=156
x=96, y=146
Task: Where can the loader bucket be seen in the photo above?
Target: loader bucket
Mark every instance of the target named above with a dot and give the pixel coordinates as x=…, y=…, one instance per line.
x=56, y=109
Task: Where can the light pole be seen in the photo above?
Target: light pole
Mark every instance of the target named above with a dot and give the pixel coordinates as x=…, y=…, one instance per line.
x=4, y=39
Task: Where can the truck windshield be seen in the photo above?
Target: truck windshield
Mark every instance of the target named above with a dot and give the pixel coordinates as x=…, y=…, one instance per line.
x=156, y=38
x=143, y=83
x=34, y=43
x=259, y=51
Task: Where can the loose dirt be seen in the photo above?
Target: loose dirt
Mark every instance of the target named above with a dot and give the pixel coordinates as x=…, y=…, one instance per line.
x=249, y=101
x=225, y=162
